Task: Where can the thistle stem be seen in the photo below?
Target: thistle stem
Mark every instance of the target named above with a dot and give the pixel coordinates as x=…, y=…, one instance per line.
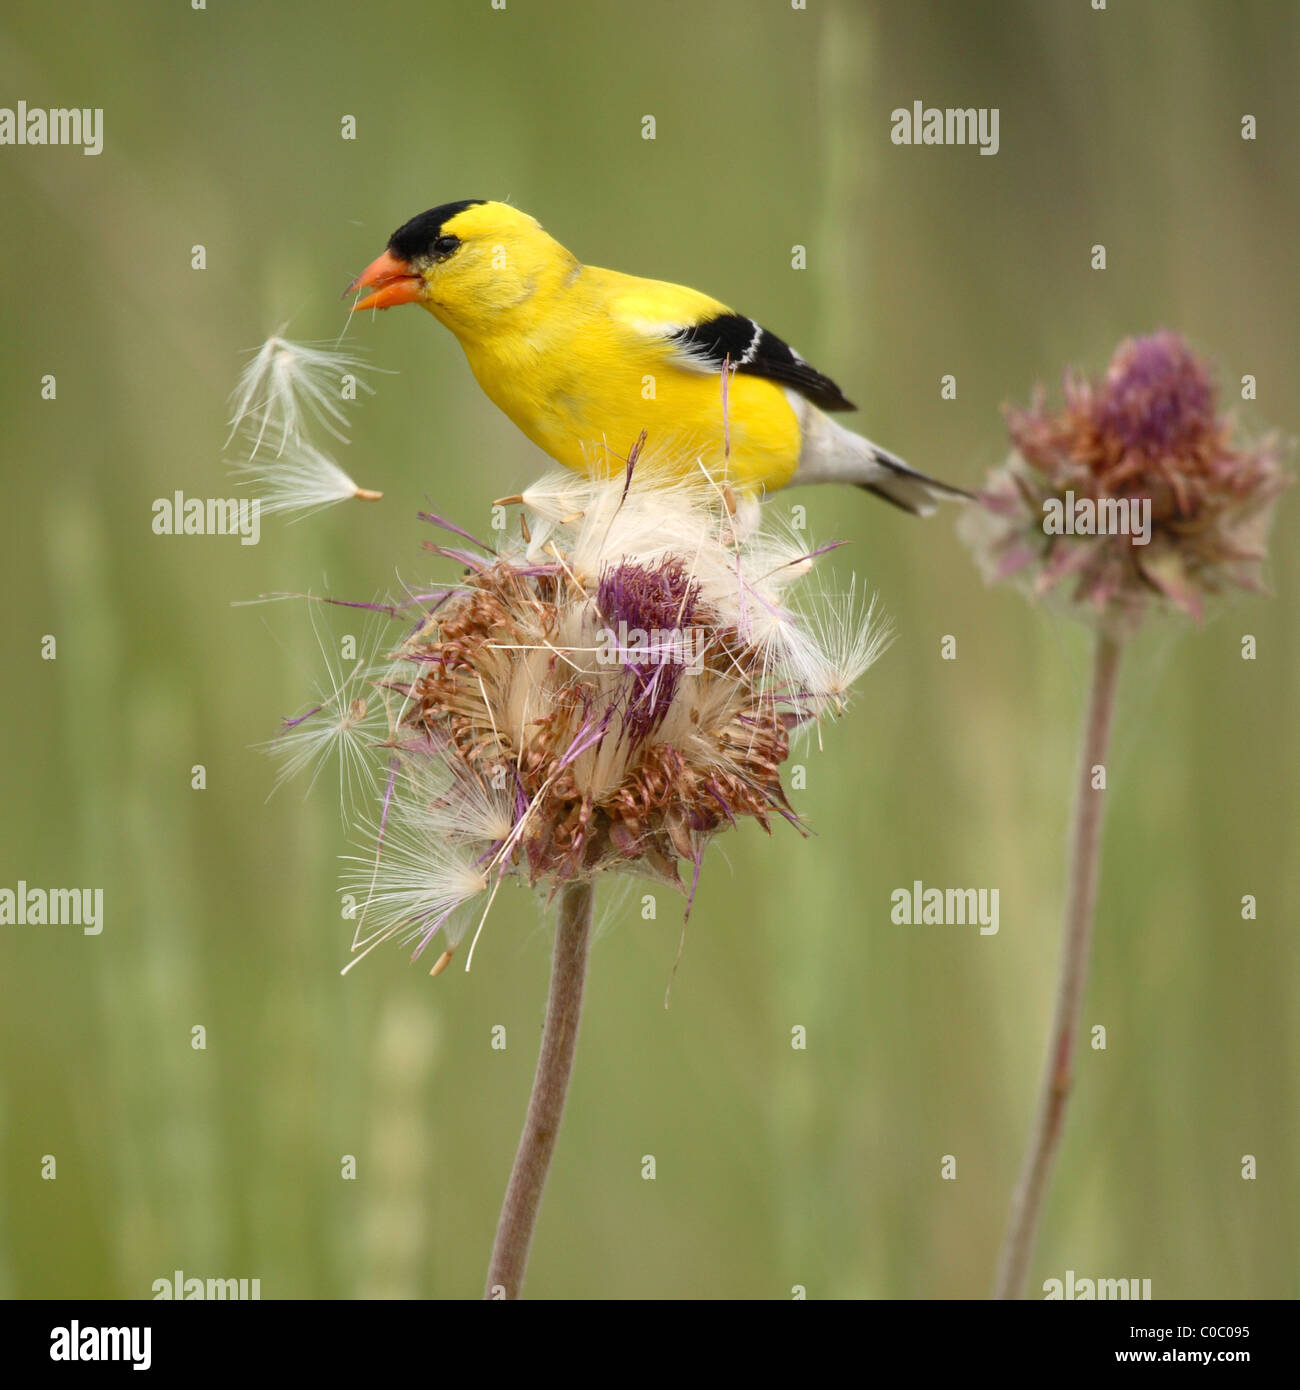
x=1081, y=895
x=550, y=1086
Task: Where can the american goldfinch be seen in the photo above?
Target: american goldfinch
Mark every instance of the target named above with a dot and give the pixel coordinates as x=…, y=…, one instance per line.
x=582, y=360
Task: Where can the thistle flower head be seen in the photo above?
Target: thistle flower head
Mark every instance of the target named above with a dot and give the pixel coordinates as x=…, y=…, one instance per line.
x=1135, y=490
x=604, y=702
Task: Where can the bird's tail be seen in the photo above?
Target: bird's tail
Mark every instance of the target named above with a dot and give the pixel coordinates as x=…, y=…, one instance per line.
x=832, y=454
x=904, y=486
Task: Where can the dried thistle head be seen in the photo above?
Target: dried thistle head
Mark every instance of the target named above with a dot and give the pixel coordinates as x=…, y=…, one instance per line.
x=1145, y=441
x=603, y=692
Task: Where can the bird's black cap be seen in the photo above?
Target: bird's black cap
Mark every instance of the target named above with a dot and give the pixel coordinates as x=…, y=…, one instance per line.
x=416, y=237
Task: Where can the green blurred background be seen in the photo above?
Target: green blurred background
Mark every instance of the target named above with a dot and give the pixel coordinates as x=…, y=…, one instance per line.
x=775, y=1167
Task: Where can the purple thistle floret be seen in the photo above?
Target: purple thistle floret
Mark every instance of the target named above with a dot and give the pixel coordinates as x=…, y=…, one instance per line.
x=1158, y=396
x=661, y=604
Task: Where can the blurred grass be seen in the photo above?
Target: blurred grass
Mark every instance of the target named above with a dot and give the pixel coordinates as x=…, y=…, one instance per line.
x=775, y=1167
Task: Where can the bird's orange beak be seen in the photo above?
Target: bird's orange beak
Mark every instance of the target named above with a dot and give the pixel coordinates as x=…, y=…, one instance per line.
x=392, y=281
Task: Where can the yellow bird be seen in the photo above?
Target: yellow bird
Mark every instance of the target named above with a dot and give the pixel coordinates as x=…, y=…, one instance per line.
x=583, y=359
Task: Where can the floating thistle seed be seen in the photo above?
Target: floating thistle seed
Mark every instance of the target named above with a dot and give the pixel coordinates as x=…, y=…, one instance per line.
x=285, y=388
x=1172, y=506
x=301, y=479
x=604, y=701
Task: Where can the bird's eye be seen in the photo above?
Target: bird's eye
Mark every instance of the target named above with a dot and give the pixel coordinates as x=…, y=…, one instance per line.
x=444, y=246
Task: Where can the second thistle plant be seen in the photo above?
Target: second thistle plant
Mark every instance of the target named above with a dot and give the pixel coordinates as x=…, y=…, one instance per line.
x=1149, y=433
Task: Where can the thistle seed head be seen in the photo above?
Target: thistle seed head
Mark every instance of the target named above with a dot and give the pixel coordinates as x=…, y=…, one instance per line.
x=603, y=692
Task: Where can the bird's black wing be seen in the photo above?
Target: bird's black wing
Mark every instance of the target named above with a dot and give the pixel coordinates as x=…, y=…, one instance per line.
x=751, y=349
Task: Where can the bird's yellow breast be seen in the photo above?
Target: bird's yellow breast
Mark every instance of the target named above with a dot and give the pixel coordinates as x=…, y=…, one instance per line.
x=581, y=371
